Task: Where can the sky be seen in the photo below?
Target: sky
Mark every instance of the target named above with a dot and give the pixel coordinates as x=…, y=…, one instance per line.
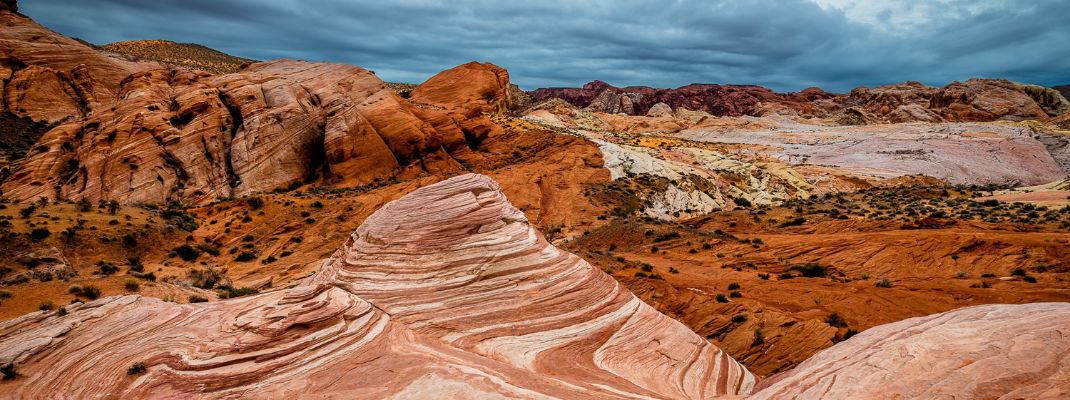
x=786, y=45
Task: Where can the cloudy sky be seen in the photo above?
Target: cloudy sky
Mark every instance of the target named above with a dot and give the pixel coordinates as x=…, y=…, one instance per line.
x=783, y=44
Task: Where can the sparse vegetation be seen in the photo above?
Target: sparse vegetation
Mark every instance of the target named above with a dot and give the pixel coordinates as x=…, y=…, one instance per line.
x=136, y=369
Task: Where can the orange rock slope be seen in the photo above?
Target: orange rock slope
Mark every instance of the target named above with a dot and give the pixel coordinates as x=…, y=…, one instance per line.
x=450, y=289
x=194, y=137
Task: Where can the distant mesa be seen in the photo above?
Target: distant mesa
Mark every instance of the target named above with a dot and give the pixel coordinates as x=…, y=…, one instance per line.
x=970, y=101
x=1064, y=89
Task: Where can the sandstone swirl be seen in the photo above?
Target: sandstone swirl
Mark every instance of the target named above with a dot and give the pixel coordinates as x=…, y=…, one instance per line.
x=447, y=292
x=983, y=352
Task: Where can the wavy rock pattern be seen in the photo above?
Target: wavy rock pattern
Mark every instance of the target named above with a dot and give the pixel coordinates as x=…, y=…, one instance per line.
x=450, y=289
x=984, y=352
x=471, y=271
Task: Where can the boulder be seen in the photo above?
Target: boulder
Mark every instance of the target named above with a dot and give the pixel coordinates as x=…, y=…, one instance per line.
x=660, y=110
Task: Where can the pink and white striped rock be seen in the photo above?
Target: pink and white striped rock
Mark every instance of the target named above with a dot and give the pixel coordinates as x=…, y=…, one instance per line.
x=985, y=352
x=448, y=292
x=457, y=262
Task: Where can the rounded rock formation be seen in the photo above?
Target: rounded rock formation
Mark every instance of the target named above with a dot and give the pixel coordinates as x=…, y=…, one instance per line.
x=993, y=351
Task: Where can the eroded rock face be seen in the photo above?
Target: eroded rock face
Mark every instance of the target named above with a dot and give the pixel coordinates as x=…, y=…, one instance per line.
x=52, y=78
x=192, y=136
x=447, y=292
x=720, y=100
x=994, y=351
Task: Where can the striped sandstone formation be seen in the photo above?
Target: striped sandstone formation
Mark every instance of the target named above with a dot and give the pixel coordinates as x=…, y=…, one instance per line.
x=984, y=352
x=447, y=292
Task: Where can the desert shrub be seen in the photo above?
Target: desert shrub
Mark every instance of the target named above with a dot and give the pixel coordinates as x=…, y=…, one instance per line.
x=735, y=295
x=84, y=206
x=39, y=234
x=763, y=276
x=884, y=283
x=811, y=270
x=962, y=275
x=91, y=292
x=721, y=298
x=849, y=333
x=75, y=290
x=206, y=278
x=27, y=211
x=106, y=268
x=187, y=252
x=229, y=292
x=733, y=286
x=666, y=236
x=1018, y=272
x=245, y=256
x=1030, y=279
x=255, y=203
x=46, y=305
x=759, y=337
x=197, y=299
x=739, y=318
x=129, y=240
x=132, y=285
x=741, y=202
x=5, y=294
x=835, y=320
x=136, y=369
x=793, y=222
x=212, y=250
x=673, y=270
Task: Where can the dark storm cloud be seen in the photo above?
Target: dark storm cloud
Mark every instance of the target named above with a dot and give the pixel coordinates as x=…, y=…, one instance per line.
x=783, y=44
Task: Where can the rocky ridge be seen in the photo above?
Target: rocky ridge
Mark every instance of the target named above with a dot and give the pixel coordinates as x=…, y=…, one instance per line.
x=972, y=100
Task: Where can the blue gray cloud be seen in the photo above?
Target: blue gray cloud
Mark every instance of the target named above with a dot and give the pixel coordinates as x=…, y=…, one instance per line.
x=783, y=44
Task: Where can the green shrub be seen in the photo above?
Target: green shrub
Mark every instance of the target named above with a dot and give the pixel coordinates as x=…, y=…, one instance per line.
x=136, y=369
x=91, y=292
x=197, y=299
x=811, y=270
x=229, y=292
x=132, y=285
x=187, y=252
x=39, y=234
x=835, y=320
